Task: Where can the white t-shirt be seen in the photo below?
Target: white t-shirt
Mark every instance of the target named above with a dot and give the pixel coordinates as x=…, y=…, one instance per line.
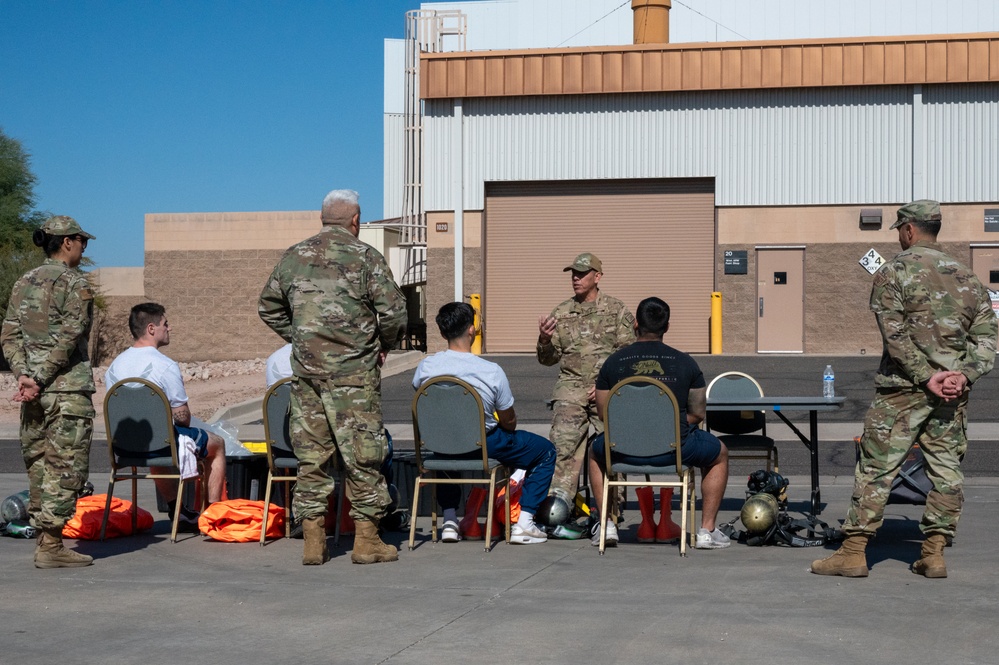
x=488, y=379
x=146, y=362
x=279, y=365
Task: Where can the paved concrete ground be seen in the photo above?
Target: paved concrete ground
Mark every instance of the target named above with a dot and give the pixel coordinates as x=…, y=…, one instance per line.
x=147, y=600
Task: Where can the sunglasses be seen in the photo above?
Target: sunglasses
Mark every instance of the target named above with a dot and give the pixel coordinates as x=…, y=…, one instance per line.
x=83, y=241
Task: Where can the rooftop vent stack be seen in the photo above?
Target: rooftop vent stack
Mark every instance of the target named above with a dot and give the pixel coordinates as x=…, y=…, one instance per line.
x=651, y=21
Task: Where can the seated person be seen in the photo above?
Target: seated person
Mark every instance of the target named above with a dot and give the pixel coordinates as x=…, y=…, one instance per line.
x=278, y=365
x=515, y=449
x=650, y=357
x=151, y=331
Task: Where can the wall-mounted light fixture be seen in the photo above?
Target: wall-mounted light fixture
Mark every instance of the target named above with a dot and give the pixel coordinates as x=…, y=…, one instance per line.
x=870, y=219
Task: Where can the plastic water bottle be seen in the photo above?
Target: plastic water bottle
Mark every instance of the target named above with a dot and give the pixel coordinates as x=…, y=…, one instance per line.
x=828, y=379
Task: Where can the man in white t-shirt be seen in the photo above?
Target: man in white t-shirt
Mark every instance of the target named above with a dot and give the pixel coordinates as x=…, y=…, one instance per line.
x=278, y=365
x=151, y=331
x=515, y=449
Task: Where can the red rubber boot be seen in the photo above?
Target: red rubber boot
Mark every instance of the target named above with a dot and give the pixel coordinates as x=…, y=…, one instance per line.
x=667, y=529
x=469, y=525
x=647, y=506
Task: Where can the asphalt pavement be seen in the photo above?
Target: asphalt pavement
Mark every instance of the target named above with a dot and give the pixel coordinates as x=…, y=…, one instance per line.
x=147, y=600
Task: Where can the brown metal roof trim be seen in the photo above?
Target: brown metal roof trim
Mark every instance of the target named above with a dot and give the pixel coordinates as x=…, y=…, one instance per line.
x=962, y=58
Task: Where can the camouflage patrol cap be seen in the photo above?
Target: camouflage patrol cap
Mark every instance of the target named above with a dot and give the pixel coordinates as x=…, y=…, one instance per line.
x=923, y=210
x=585, y=262
x=61, y=225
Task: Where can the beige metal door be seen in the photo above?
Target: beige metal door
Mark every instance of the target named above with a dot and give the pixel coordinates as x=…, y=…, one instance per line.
x=654, y=237
x=780, y=292
x=985, y=264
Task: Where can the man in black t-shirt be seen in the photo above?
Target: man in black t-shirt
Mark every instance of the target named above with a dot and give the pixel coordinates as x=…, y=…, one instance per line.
x=650, y=357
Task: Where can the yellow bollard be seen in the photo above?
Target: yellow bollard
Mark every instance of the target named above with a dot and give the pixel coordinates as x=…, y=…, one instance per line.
x=716, y=323
x=475, y=300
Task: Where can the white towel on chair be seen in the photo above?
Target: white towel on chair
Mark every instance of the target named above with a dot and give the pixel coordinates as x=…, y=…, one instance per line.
x=187, y=457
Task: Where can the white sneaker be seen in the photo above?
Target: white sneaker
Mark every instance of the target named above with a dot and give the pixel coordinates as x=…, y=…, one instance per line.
x=711, y=540
x=529, y=536
x=449, y=533
x=610, y=540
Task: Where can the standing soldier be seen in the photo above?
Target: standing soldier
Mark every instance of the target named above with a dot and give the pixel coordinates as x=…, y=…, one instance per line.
x=333, y=298
x=939, y=335
x=44, y=338
x=581, y=332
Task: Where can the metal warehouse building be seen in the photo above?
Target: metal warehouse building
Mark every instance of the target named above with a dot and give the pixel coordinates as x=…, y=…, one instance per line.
x=763, y=168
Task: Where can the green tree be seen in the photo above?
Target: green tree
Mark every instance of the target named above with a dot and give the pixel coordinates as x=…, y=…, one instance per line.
x=18, y=218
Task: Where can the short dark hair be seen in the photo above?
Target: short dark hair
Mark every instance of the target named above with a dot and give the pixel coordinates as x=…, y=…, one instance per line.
x=652, y=316
x=142, y=315
x=454, y=319
x=928, y=227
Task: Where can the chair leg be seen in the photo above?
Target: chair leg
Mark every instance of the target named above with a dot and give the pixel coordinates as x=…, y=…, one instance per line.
x=490, y=506
x=603, y=514
x=433, y=510
x=176, y=510
x=267, y=503
x=775, y=458
x=412, y=520
x=341, y=482
x=683, y=516
x=107, y=506
x=508, y=513
x=287, y=508
x=135, y=501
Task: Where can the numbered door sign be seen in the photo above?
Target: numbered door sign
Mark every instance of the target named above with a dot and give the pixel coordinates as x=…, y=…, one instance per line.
x=872, y=261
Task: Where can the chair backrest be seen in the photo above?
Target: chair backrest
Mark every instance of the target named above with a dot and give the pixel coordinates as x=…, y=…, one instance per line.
x=139, y=420
x=277, y=417
x=642, y=418
x=448, y=417
x=735, y=385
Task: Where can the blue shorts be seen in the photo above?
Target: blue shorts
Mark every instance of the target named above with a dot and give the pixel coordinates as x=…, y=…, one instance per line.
x=699, y=449
x=200, y=437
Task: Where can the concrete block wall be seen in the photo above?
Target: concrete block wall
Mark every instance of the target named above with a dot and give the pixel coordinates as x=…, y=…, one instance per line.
x=207, y=269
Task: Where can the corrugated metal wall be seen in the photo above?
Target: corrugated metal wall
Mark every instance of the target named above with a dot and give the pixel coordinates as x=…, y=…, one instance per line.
x=764, y=147
x=962, y=135
x=392, y=165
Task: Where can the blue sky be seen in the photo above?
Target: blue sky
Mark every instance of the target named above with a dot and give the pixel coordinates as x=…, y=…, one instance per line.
x=147, y=106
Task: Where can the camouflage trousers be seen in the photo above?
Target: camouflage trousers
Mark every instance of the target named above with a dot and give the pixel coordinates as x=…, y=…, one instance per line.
x=897, y=419
x=327, y=419
x=56, y=430
x=570, y=430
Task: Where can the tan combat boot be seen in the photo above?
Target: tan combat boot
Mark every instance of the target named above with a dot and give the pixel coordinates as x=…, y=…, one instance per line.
x=932, y=562
x=850, y=560
x=314, y=533
x=51, y=553
x=368, y=547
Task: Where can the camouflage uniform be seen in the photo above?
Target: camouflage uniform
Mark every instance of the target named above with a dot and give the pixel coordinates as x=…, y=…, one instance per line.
x=45, y=336
x=585, y=334
x=934, y=315
x=333, y=298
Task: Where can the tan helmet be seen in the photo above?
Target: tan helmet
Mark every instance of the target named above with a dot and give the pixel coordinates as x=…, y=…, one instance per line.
x=759, y=513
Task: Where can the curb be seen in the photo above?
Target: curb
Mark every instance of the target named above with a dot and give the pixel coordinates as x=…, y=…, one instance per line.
x=250, y=410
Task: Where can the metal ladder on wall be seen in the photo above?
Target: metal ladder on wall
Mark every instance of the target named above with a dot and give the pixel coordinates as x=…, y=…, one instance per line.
x=429, y=31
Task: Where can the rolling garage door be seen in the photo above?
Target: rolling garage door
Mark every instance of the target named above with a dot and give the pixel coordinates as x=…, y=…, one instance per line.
x=654, y=237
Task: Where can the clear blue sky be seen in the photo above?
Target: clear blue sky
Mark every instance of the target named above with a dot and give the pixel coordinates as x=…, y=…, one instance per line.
x=131, y=107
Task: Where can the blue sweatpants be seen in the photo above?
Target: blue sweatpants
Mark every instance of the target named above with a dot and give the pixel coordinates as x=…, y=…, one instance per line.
x=515, y=450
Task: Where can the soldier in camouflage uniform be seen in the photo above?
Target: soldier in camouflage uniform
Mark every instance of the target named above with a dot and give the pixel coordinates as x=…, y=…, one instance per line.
x=45, y=335
x=333, y=298
x=580, y=333
x=939, y=335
